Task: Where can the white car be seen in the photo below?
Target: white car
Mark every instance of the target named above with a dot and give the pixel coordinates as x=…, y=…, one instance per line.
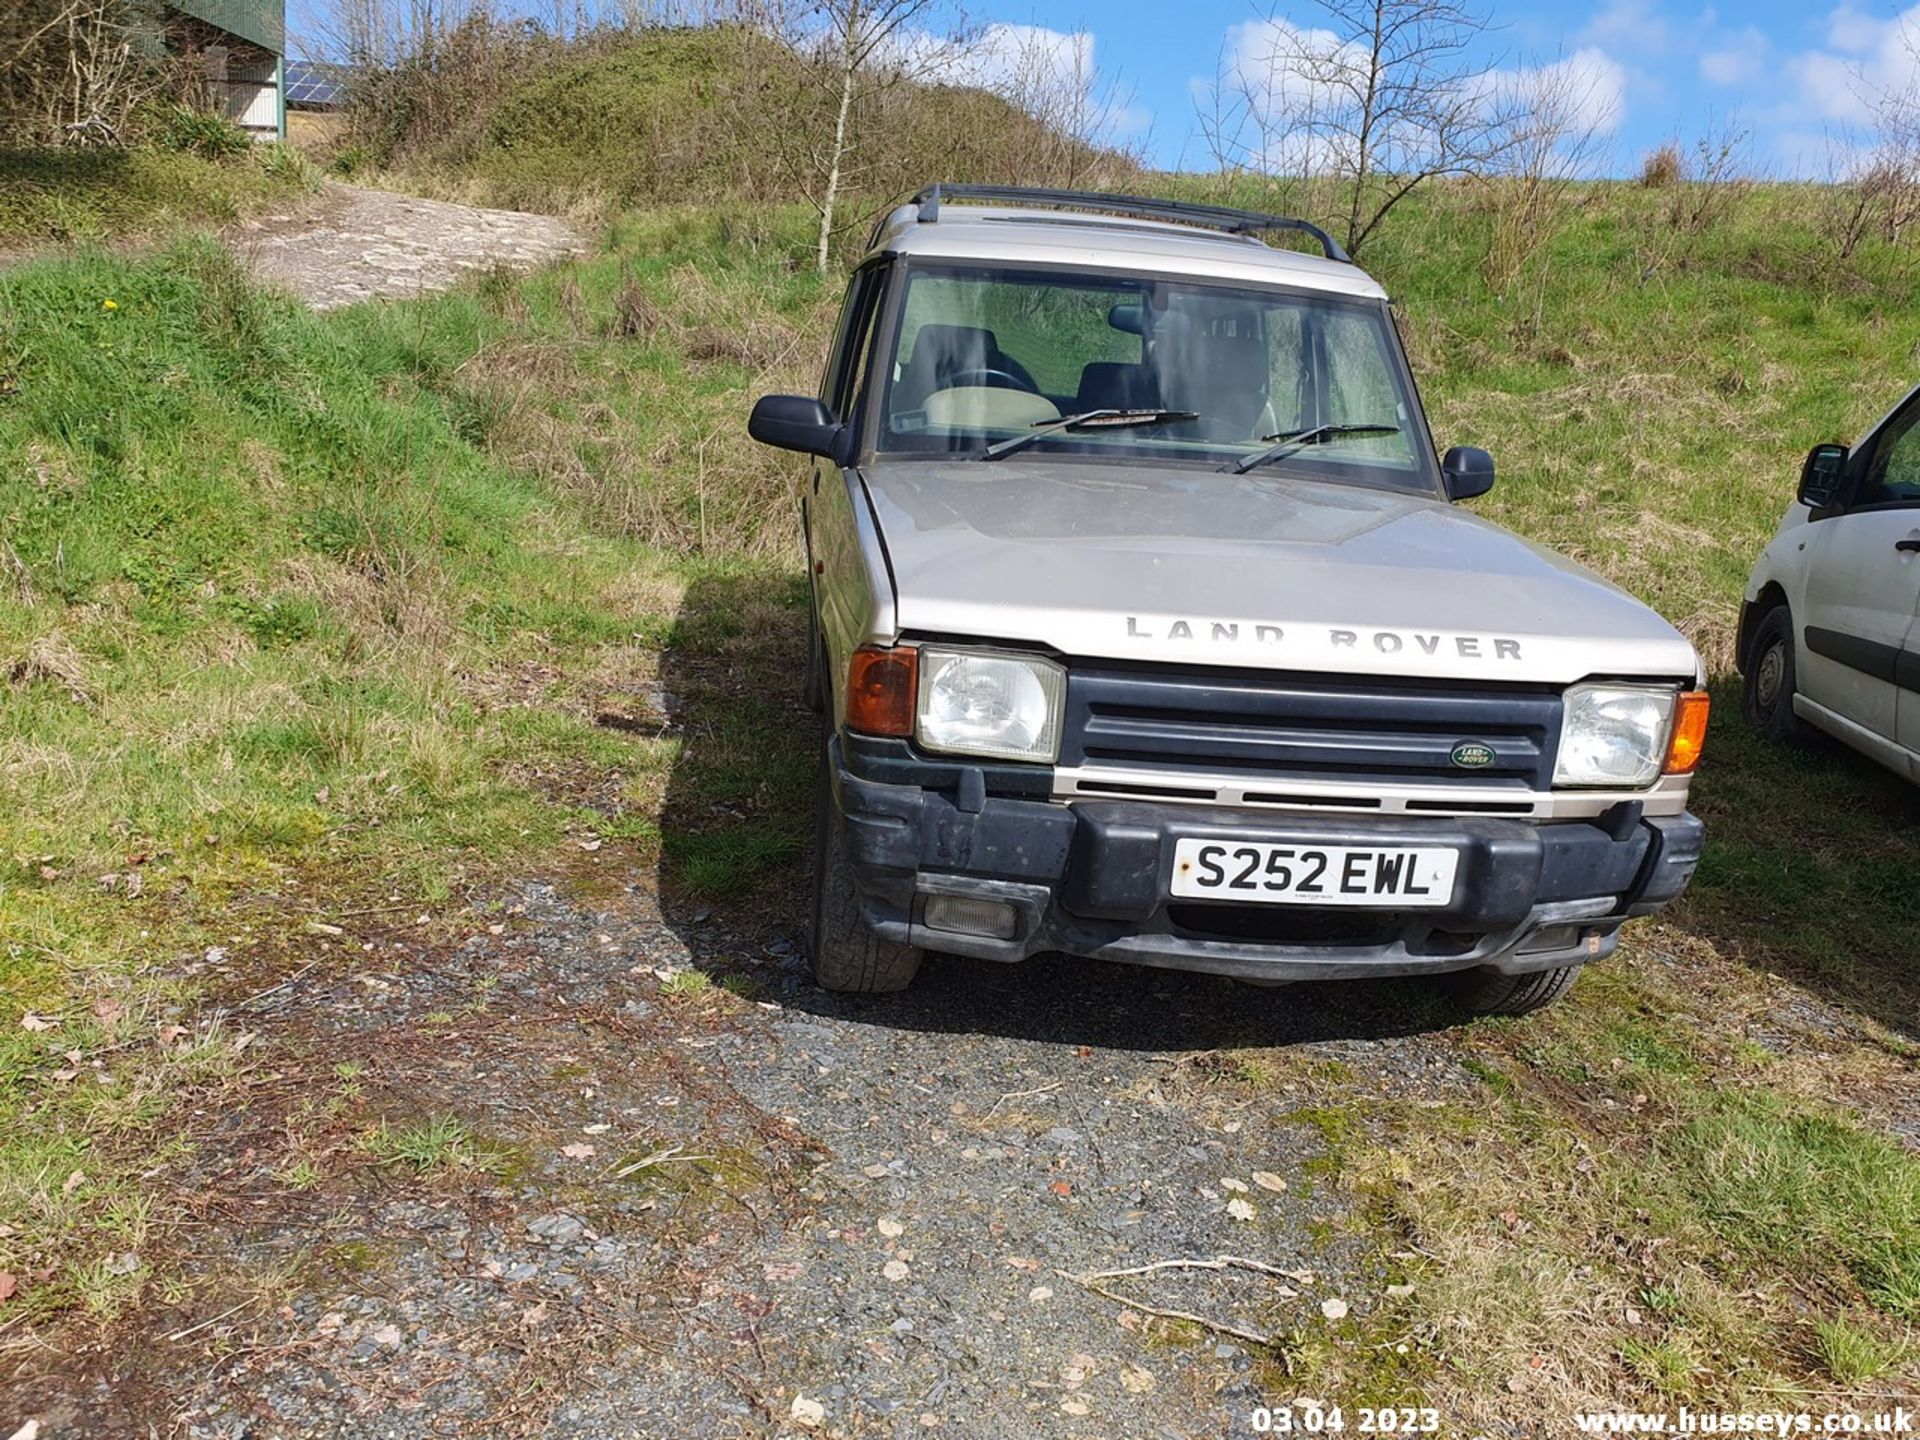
x=1830, y=633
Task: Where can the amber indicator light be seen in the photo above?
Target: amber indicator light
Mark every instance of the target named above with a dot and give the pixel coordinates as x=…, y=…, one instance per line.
x=880, y=690
x=1689, y=733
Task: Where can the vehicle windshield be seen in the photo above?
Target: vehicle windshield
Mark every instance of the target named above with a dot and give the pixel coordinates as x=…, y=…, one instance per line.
x=1300, y=382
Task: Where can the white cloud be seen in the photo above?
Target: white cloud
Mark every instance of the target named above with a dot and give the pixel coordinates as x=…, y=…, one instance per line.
x=1739, y=62
x=1051, y=72
x=1585, y=91
x=1276, y=78
x=1856, y=33
x=1000, y=57
x=1865, y=58
x=1633, y=26
x=1280, y=73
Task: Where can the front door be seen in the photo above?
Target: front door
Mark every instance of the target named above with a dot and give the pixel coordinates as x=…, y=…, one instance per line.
x=1863, y=590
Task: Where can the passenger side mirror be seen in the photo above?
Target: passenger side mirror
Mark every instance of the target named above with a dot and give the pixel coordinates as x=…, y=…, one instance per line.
x=1823, y=476
x=794, y=422
x=1467, y=471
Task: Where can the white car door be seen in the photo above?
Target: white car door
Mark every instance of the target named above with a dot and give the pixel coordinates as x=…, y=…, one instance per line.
x=1857, y=619
x=1898, y=479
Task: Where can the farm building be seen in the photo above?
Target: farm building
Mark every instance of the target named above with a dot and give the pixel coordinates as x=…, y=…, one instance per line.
x=240, y=49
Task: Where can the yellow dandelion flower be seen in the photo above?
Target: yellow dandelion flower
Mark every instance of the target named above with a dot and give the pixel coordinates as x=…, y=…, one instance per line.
x=109, y=304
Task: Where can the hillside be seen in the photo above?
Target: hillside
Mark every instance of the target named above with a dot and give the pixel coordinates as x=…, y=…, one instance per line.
x=665, y=116
x=331, y=644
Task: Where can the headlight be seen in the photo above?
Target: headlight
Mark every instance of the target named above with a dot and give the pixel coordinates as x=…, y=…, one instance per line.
x=972, y=703
x=1614, y=735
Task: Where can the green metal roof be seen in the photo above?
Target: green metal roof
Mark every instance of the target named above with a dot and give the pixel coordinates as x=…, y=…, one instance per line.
x=264, y=22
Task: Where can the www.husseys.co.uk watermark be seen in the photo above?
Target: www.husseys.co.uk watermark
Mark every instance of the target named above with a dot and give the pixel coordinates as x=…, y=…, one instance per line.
x=1898, y=1421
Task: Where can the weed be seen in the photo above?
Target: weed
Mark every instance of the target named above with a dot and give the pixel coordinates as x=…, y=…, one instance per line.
x=686, y=985
x=285, y=165
x=1250, y=1067
x=430, y=1145
x=1666, y=1365
x=189, y=130
x=302, y=1174
x=1854, y=1355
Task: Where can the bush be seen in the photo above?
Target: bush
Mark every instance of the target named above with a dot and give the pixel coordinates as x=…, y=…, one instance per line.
x=1661, y=168
x=285, y=165
x=187, y=131
x=71, y=194
x=350, y=159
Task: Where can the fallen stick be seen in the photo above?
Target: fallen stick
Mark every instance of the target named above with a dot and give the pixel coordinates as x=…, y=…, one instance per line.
x=658, y=1157
x=1252, y=1337
x=274, y=988
x=1223, y=1262
x=1091, y=1281
x=196, y=1329
x=1021, y=1095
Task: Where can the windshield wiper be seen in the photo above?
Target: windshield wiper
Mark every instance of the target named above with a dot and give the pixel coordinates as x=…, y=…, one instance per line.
x=1086, y=420
x=1294, y=441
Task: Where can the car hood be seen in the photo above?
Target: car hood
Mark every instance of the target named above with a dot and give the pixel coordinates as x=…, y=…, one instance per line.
x=1260, y=570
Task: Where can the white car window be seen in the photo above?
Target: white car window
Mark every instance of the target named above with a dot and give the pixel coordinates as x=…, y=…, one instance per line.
x=1895, y=473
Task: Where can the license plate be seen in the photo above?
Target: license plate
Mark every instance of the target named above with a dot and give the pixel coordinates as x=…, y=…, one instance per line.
x=1258, y=872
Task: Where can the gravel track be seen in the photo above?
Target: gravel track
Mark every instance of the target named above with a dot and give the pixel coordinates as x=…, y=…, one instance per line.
x=860, y=1206
x=356, y=244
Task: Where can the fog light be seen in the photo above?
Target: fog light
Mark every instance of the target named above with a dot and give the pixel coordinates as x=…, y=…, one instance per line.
x=1551, y=937
x=962, y=916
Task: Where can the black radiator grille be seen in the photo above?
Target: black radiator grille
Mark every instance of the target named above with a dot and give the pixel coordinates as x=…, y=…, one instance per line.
x=1290, y=728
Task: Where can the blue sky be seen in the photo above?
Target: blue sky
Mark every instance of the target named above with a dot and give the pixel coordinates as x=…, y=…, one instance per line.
x=1787, y=72
x=1793, y=76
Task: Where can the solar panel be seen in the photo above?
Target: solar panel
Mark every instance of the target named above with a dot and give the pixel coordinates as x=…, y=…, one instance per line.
x=317, y=83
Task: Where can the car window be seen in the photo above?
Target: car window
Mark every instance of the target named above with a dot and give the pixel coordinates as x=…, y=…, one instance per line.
x=1895, y=472
x=850, y=345
x=986, y=353
x=1041, y=334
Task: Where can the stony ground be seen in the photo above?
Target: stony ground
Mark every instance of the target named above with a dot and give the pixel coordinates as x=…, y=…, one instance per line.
x=747, y=1210
x=355, y=244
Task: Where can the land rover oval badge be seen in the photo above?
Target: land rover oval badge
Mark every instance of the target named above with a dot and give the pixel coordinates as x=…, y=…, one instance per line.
x=1472, y=755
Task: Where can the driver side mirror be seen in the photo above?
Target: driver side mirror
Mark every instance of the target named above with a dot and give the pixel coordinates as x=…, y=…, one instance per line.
x=1467, y=472
x=794, y=422
x=1823, y=476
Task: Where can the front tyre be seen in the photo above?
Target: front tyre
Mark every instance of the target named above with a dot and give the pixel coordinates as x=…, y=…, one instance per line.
x=844, y=953
x=1488, y=992
x=1772, y=680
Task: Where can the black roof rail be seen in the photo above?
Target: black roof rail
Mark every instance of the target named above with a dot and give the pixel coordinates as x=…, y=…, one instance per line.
x=1211, y=217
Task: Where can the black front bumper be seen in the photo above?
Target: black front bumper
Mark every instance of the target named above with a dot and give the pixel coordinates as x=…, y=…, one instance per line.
x=1092, y=879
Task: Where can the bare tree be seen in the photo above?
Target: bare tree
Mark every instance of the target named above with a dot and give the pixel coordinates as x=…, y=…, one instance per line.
x=1383, y=99
x=1085, y=136
x=74, y=71
x=859, y=48
x=1560, y=112
x=1714, y=176
x=1257, y=120
x=1889, y=183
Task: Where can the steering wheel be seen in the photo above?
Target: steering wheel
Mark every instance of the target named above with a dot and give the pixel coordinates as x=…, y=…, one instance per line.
x=983, y=377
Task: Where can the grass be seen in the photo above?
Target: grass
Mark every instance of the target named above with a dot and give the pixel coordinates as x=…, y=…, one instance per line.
x=111, y=194
x=686, y=985
x=436, y=1143
x=299, y=614
x=1855, y=1356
